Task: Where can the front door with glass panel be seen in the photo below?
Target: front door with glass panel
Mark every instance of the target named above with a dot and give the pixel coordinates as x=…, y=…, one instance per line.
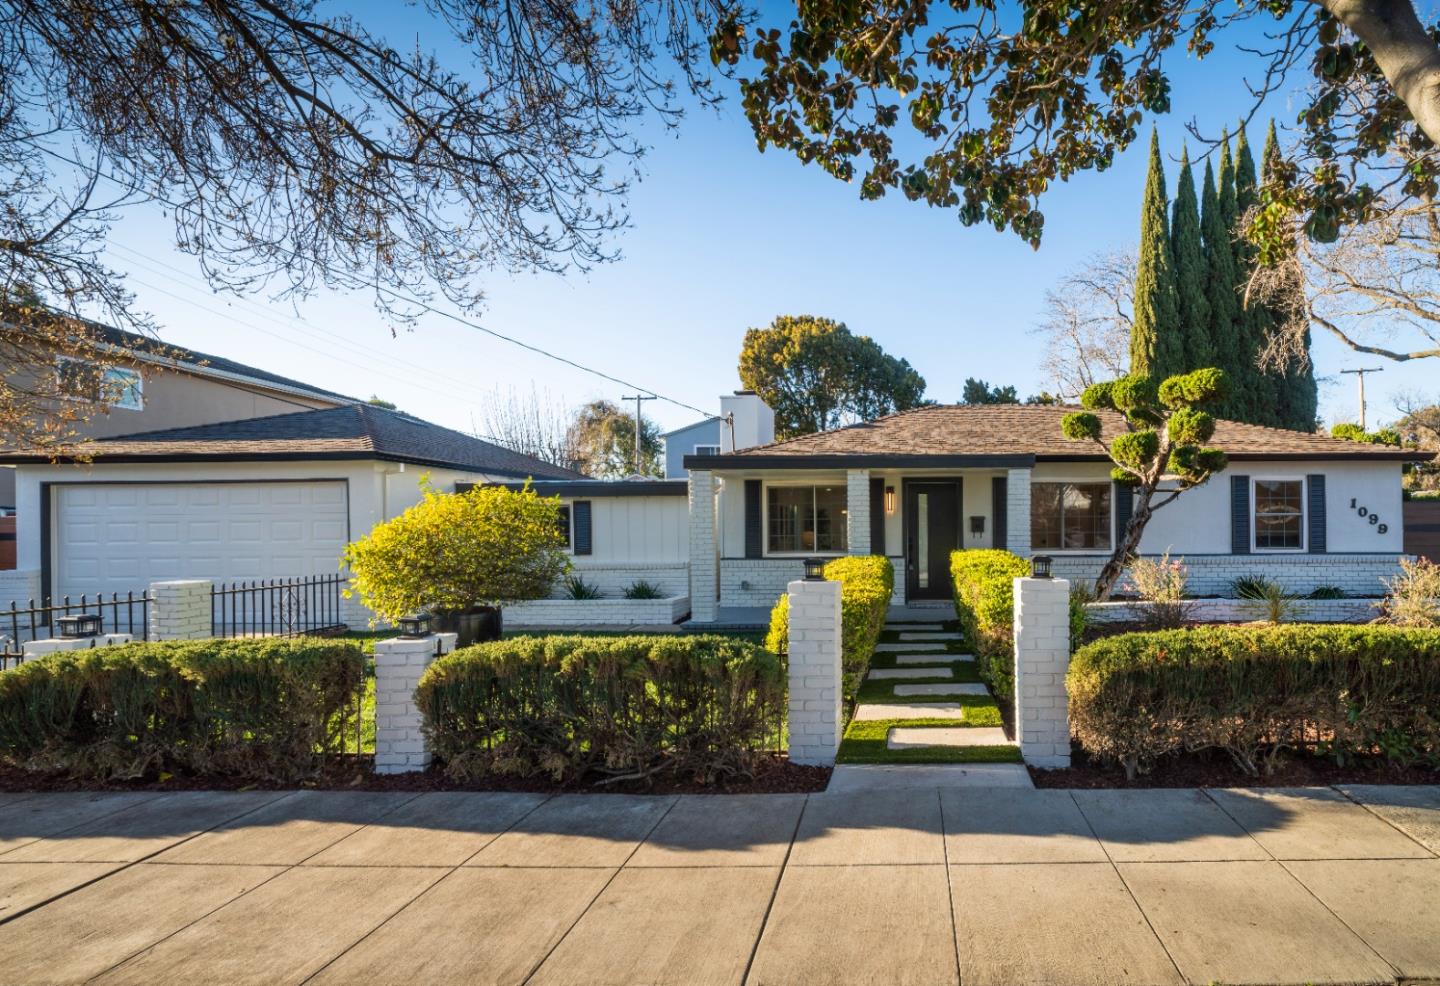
x=932, y=531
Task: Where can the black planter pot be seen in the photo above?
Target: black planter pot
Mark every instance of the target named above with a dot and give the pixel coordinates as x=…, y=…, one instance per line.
x=474, y=626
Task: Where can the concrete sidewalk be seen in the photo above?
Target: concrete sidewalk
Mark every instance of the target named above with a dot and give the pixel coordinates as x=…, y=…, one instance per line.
x=917, y=887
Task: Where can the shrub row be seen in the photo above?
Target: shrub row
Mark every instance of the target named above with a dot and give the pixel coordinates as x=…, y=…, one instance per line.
x=867, y=583
x=1256, y=691
x=626, y=707
x=258, y=709
x=983, y=583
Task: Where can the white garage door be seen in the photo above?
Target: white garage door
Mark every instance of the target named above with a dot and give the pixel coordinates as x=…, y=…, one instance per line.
x=118, y=538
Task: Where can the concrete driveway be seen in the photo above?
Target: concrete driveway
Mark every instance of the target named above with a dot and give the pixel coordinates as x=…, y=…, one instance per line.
x=916, y=887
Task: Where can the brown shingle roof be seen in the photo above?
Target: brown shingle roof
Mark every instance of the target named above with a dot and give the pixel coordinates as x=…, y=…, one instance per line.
x=358, y=431
x=1034, y=430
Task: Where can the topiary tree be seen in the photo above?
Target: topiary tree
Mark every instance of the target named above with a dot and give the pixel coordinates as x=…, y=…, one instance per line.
x=1164, y=439
x=453, y=551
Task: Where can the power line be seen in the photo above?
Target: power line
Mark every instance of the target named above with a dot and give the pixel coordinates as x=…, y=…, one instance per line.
x=392, y=293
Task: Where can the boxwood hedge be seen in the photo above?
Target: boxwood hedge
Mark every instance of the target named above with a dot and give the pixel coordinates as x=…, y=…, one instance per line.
x=866, y=584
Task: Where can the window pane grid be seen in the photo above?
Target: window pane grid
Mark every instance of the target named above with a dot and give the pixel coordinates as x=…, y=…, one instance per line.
x=806, y=519
x=1070, y=516
x=1279, y=514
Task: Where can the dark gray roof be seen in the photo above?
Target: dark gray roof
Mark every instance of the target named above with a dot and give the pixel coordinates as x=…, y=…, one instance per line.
x=355, y=431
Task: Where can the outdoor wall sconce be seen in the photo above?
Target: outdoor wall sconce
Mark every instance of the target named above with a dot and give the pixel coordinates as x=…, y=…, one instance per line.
x=889, y=499
x=977, y=525
x=1040, y=567
x=814, y=569
x=414, y=627
x=81, y=625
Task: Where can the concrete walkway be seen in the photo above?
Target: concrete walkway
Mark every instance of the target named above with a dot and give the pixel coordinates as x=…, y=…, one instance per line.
x=984, y=886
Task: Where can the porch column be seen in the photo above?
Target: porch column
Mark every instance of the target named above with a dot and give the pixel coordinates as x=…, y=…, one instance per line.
x=702, y=546
x=857, y=511
x=1017, y=512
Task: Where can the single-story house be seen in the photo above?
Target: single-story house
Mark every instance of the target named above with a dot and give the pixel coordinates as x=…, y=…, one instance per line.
x=1306, y=510
x=257, y=498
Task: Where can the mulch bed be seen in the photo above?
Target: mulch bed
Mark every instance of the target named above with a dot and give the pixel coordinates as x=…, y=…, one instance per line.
x=1214, y=768
x=773, y=775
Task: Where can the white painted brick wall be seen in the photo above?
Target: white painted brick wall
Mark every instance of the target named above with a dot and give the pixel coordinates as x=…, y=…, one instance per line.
x=583, y=612
x=613, y=578
x=702, y=546
x=1299, y=574
x=815, y=693
x=1017, y=512
x=1042, y=657
x=180, y=610
x=400, y=745
x=39, y=648
x=857, y=511
x=18, y=587
x=756, y=581
x=1245, y=610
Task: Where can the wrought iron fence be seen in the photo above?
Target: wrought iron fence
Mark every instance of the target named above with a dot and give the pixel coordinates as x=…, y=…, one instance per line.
x=127, y=613
x=277, y=607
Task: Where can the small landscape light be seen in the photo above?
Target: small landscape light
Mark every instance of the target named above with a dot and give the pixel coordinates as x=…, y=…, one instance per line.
x=814, y=569
x=414, y=627
x=79, y=625
x=1040, y=567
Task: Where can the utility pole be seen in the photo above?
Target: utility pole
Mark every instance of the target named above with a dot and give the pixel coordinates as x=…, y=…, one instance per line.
x=1360, y=378
x=637, y=398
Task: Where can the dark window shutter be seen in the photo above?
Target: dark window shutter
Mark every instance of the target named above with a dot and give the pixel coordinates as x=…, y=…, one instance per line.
x=1240, y=515
x=464, y=487
x=877, y=516
x=999, y=511
x=1124, y=508
x=580, y=517
x=1316, y=486
x=754, y=520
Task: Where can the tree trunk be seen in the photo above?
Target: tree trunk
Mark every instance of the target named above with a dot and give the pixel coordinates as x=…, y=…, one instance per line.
x=1403, y=49
x=1125, y=548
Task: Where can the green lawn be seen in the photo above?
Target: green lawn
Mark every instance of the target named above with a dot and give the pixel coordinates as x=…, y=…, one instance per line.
x=864, y=742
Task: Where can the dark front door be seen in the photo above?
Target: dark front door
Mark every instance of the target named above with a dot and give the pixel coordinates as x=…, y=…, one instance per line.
x=932, y=531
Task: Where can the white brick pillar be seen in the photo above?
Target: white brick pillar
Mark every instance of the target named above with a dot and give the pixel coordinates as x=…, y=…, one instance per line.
x=1017, y=512
x=703, y=582
x=815, y=672
x=1042, y=656
x=400, y=745
x=180, y=610
x=857, y=511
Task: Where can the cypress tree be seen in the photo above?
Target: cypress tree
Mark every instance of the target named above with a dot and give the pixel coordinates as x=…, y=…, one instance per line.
x=1220, y=286
x=1264, y=386
x=1297, y=398
x=1154, y=336
x=1188, y=253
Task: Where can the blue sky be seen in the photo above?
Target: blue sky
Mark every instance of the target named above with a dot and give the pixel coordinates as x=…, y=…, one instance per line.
x=723, y=238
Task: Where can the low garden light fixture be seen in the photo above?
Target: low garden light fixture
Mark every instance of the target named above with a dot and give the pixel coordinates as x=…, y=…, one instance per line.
x=79, y=625
x=1040, y=567
x=889, y=500
x=414, y=627
x=814, y=569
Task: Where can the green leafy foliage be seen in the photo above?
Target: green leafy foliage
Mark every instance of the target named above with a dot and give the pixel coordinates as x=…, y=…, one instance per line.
x=1354, y=433
x=1192, y=308
x=572, y=707
x=602, y=439
x=262, y=710
x=979, y=392
x=575, y=587
x=642, y=589
x=867, y=583
x=1156, y=348
x=1257, y=691
x=983, y=583
x=1079, y=426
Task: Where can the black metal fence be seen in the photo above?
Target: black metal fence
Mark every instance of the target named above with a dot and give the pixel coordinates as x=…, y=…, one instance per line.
x=277, y=607
x=127, y=613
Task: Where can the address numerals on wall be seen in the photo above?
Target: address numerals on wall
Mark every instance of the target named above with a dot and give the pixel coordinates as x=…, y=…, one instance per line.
x=1365, y=515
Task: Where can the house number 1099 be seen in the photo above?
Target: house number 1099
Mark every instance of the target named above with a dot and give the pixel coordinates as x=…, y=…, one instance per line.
x=1365, y=514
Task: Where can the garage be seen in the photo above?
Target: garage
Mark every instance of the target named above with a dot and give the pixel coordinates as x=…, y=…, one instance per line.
x=120, y=537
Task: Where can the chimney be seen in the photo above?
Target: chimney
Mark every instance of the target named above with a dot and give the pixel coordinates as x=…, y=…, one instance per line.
x=748, y=421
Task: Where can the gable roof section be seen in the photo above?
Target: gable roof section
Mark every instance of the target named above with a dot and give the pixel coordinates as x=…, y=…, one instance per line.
x=1015, y=434
x=356, y=431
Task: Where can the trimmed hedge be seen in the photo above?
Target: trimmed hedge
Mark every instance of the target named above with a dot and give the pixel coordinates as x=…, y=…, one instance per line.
x=626, y=707
x=983, y=581
x=867, y=583
x=1256, y=691
x=257, y=709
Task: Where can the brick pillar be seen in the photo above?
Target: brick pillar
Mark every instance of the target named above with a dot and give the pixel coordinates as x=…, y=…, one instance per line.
x=180, y=610
x=400, y=745
x=702, y=546
x=1042, y=656
x=1017, y=512
x=815, y=720
x=857, y=511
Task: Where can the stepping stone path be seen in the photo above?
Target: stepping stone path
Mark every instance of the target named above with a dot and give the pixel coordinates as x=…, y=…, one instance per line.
x=927, y=636
x=914, y=737
x=958, y=688
x=879, y=674
x=909, y=648
x=934, y=658
x=871, y=711
x=907, y=627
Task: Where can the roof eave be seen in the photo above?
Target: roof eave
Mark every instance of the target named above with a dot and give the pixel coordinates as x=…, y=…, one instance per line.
x=862, y=460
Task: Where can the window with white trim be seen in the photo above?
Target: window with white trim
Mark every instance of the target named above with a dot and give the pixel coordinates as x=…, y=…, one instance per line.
x=707, y=449
x=805, y=520
x=117, y=386
x=1279, y=514
x=1070, y=516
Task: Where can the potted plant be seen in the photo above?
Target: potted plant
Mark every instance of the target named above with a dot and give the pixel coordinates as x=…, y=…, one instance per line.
x=462, y=556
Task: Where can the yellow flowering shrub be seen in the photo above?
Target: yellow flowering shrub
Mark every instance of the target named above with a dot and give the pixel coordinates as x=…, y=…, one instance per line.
x=451, y=551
